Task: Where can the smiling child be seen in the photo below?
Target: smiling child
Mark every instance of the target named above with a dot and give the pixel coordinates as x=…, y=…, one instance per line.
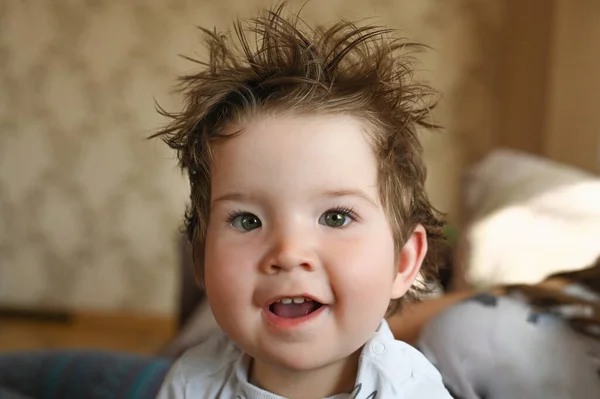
x=308, y=215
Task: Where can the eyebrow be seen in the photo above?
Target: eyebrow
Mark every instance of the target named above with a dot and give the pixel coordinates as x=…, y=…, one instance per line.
x=351, y=193
x=236, y=196
x=230, y=197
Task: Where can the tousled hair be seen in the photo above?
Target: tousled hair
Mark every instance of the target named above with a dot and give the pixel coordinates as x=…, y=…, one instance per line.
x=277, y=63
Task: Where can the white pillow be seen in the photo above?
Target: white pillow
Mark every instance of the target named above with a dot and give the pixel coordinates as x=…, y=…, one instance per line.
x=529, y=217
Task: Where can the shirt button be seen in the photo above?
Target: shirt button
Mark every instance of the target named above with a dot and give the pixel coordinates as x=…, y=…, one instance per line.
x=379, y=348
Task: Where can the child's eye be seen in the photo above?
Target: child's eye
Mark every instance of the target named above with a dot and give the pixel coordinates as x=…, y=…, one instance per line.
x=244, y=221
x=339, y=217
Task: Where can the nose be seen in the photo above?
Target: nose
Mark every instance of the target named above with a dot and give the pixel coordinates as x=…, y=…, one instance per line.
x=288, y=251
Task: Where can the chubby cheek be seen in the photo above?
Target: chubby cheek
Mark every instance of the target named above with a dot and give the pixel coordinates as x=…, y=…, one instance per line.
x=228, y=276
x=362, y=273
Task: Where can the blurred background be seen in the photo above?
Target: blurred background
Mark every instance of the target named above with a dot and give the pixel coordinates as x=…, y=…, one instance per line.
x=90, y=211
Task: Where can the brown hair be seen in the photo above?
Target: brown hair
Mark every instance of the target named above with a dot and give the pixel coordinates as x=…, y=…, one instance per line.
x=344, y=69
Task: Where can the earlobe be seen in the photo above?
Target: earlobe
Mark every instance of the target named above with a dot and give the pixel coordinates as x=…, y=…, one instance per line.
x=410, y=260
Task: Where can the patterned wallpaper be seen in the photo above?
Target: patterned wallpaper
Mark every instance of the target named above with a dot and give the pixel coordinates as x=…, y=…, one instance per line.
x=90, y=210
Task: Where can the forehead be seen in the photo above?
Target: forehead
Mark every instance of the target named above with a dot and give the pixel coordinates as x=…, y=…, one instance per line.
x=307, y=151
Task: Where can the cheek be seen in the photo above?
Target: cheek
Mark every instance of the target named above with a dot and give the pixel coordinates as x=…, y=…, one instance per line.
x=364, y=265
x=227, y=273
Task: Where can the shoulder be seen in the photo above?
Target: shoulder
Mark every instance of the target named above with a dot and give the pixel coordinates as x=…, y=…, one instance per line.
x=215, y=354
x=396, y=369
x=204, y=369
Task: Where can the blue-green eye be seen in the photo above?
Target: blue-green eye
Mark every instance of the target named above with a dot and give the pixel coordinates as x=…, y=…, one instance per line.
x=337, y=218
x=244, y=221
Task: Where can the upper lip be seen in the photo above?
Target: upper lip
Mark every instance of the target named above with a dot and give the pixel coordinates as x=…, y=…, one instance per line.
x=308, y=296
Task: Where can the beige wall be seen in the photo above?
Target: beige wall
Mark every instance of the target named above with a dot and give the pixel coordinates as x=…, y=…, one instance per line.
x=89, y=210
x=573, y=118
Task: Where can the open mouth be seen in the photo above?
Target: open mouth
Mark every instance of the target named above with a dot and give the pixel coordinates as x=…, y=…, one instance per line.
x=293, y=308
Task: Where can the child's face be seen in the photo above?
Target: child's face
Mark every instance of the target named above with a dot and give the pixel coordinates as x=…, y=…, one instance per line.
x=295, y=212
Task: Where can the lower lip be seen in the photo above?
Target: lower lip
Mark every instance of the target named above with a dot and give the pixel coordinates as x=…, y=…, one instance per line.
x=281, y=323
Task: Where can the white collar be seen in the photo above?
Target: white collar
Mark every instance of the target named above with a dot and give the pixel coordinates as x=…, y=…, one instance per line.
x=374, y=361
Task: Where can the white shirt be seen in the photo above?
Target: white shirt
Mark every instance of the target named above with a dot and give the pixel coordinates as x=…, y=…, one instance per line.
x=387, y=369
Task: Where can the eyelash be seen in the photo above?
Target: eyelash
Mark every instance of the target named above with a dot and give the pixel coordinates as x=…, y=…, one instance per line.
x=234, y=214
x=344, y=210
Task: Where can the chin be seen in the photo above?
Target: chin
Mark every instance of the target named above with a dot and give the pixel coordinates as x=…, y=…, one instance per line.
x=300, y=360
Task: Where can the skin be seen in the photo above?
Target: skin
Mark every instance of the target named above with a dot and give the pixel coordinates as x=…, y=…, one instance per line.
x=295, y=211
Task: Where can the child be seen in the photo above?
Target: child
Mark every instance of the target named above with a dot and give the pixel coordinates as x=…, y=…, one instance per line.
x=308, y=215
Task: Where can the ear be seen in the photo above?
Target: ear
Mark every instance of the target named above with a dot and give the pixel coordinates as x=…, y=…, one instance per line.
x=409, y=261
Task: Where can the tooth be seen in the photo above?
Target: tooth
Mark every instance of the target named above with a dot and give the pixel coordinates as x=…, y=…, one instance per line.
x=286, y=301
x=299, y=299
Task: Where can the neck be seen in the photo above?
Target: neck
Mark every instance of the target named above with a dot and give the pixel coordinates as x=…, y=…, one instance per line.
x=320, y=383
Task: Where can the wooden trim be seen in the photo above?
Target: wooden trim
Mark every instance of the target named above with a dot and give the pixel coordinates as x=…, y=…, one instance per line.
x=522, y=75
